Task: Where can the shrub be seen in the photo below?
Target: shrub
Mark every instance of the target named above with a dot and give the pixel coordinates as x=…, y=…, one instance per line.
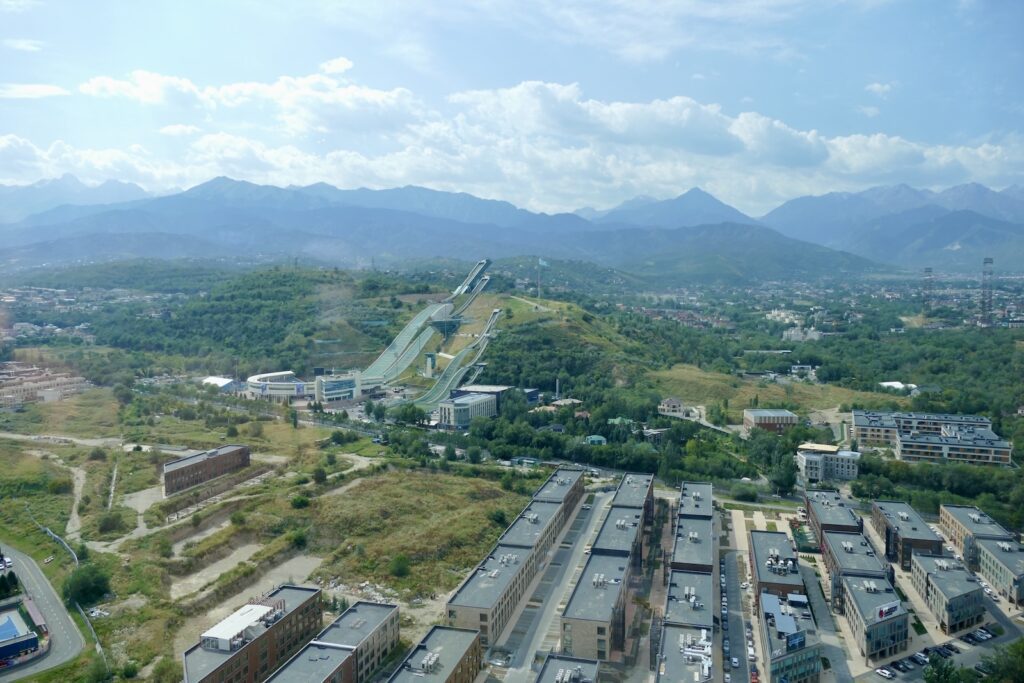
x=399, y=566
x=232, y=431
x=130, y=670
x=110, y=521
x=86, y=584
x=97, y=454
x=498, y=517
x=319, y=475
x=59, y=486
x=299, y=502
x=238, y=518
x=298, y=539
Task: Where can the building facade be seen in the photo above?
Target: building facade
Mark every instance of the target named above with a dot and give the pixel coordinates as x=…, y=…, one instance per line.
x=826, y=511
x=965, y=525
x=184, y=473
x=849, y=555
x=880, y=624
x=789, y=641
x=279, y=387
x=458, y=413
x=593, y=624
x=1001, y=563
x=903, y=532
x=932, y=437
x=821, y=462
x=774, y=565
x=769, y=419
x=331, y=388
x=250, y=644
x=953, y=596
x=445, y=655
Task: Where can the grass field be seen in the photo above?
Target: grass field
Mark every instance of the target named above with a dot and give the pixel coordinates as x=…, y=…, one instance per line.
x=92, y=414
x=700, y=387
x=439, y=521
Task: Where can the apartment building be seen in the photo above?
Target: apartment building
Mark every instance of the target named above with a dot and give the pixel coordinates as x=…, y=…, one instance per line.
x=1001, y=563
x=562, y=669
x=184, y=473
x=695, y=547
x=903, y=531
x=769, y=419
x=820, y=462
x=874, y=429
x=23, y=383
x=251, y=643
x=965, y=525
x=774, y=564
x=932, y=437
x=445, y=655
x=789, y=640
x=593, y=623
x=691, y=600
x=952, y=594
x=880, y=624
x=565, y=487
x=488, y=598
x=535, y=531
x=826, y=511
x=686, y=654
x=848, y=554
x=621, y=534
x=695, y=500
x=636, y=491
x=369, y=630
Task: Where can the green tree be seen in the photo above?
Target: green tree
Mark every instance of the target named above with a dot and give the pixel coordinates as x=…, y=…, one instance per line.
x=941, y=670
x=473, y=454
x=783, y=476
x=399, y=566
x=380, y=412
x=1007, y=663
x=86, y=584
x=320, y=475
x=300, y=502
x=232, y=431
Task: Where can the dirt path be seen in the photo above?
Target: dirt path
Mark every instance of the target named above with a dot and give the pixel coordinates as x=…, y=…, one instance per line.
x=74, y=526
x=113, y=486
x=105, y=442
x=179, y=547
x=191, y=583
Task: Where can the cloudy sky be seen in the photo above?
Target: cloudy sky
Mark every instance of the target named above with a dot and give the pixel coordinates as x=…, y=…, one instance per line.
x=550, y=104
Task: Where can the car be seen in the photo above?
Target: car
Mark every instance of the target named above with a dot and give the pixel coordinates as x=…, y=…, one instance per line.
x=989, y=592
x=48, y=560
x=735, y=662
x=885, y=673
x=728, y=678
x=984, y=629
x=983, y=668
x=909, y=663
x=982, y=635
x=982, y=584
x=898, y=666
x=744, y=586
x=942, y=652
x=952, y=648
x=920, y=658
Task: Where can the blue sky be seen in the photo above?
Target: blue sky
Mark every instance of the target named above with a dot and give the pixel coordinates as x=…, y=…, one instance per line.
x=550, y=104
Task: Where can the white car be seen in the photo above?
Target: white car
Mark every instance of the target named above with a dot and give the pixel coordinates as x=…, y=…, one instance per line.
x=744, y=585
x=735, y=663
x=885, y=673
x=48, y=560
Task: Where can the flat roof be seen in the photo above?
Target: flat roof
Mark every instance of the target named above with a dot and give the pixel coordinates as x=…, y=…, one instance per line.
x=868, y=601
x=449, y=645
x=863, y=418
x=696, y=611
x=527, y=529
x=633, y=490
x=818, y=448
x=950, y=577
x=786, y=620
x=357, y=623
x=313, y=663
x=586, y=669
x=967, y=436
x=199, y=662
x=831, y=510
x=239, y=620
x=1012, y=560
x=776, y=546
x=491, y=578
x=469, y=399
x=857, y=560
x=906, y=520
x=977, y=522
x=695, y=499
x=686, y=655
x=943, y=417
x=485, y=388
x=199, y=457
x=556, y=488
x=702, y=548
x=619, y=530
x=595, y=603
x=768, y=412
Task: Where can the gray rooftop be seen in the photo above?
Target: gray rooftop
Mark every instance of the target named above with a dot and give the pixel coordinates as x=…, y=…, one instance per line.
x=679, y=610
x=857, y=561
x=558, y=484
x=313, y=663
x=862, y=418
x=702, y=549
x=525, y=531
x=619, y=531
x=199, y=457
x=906, y=520
x=1013, y=559
x=449, y=644
x=979, y=437
x=829, y=509
x=200, y=662
x=978, y=524
x=948, y=576
x=786, y=619
x=491, y=578
x=595, y=603
x=951, y=418
x=587, y=669
x=695, y=499
x=768, y=412
x=357, y=623
x=633, y=490
x=469, y=399
x=762, y=545
x=680, y=661
x=866, y=601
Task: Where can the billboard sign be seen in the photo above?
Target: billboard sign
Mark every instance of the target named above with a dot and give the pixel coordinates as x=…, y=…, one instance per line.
x=795, y=641
x=888, y=609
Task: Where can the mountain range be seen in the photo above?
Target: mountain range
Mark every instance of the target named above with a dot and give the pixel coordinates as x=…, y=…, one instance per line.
x=690, y=237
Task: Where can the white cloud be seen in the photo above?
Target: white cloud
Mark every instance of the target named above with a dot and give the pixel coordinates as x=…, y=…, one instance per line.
x=180, y=129
x=17, y=5
x=30, y=91
x=23, y=44
x=879, y=89
x=338, y=65
x=869, y=111
x=143, y=86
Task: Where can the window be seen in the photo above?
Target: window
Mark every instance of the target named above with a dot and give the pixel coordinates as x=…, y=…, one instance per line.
x=600, y=630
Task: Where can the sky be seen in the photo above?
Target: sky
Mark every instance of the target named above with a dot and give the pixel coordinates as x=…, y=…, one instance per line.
x=549, y=104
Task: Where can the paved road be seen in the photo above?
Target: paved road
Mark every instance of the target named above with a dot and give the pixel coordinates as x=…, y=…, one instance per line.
x=67, y=641
x=737, y=635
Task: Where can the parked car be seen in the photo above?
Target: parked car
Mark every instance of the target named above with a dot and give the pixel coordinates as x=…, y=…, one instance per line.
x=952, y=648
x=744, y=585
x=735, y=663
x=725, y=646
x=728, y=678
x=969, y=639
x=885, y=673
x=898, y=666
x=909, y=663
x=920, y=658
x=48, y=560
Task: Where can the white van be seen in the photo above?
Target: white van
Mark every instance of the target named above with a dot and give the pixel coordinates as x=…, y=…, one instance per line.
x=750, y=655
